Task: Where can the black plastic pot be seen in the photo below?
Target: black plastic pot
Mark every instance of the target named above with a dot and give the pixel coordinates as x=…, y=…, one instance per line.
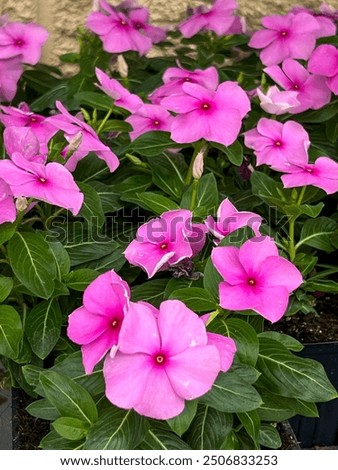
x=322, y=431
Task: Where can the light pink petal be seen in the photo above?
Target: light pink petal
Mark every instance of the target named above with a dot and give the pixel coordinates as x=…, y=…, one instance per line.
x=238, y=297
x=254, y=251
x=7, y=210
x=193, y=372
x=305, y=23
x=332, y=83
x=263, y=38
x=226, y=348
x=180, y=103
x=294, y=180
x=180, y=328
x=302, y=46
x=273, y=303
x=147, y=256
x=295, y=71
x=190, y=127
x=278, y=271
x=139, y=332
x=192, y=25
x=226, y=261
x=85, y=327
x=275, y=72
x=93, y=352
x=231, y=95
x=270, y=128
x=10, y=72
x=327, y=27
x=277, y=22
x=324, y=61
x=99, y=23
x=223, y=126
x=275, y=52
x=317, y=91
x=21, y=139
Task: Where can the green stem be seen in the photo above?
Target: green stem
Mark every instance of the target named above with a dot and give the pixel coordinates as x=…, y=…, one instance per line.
x=197, y=148
x=292, y=221
x=104, y=120
x=301, y=195
x=194, y=194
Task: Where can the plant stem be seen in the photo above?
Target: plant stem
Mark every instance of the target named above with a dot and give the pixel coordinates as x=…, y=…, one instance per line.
x=194, y=194
x=197, y=148
x=104, y=120
x=292, y=220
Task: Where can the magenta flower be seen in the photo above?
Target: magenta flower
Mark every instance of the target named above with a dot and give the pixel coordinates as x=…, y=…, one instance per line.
x=121, y=96
x=326, y=23
x=323, y=174
x=206, y=114
x=313, y=92
x=116, y=31
x=162, y=360
x=219, y=18
x=22, y=39
x=278, y=102
x=10, y=73
x=23, y=140
x=230, y=219
x=324, y=61
x=255, y=277
x=7, y=206
x=147, y=118
x=286, y=36
x=165, y=241
x=51, y=183
x=139, y=18
x=175, y=77
x=24, y=117
x=90, y=142
x=97, y=323
x=274, y=143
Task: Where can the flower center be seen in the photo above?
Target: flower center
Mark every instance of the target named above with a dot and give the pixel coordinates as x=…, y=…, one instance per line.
x=251, y=282
x=187, y=79
x=33, y=119
x=138, y=26
x=42, y=180
x=115, y=323
x=205, y=106
x=160, y=359
x=284, y=33
x=164, y=246
x=295, y=86
x=19, y=42
x=123, y=23
x=156, y=123
x=309, y=170
x=278, y=143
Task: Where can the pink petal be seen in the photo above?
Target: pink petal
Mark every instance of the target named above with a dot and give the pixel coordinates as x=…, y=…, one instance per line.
x=254, y=251
x=226, y=261
x=263, y=38
x=147, y=256
x=324, y=61
x=193, y=372
x=317, y=91
x=192, y=25
x=273, y=303
x=231, y=95
x=238, y=297
x=295, y=71
x=277, y=22
x=99, y=23
x=332, y=83
x=294, y=180
x=93, y=352
x=275, y=72
x=85, y=327
x=277, y=271
x=7, y=210
x=275, y=52
x=305, y=23
x=181, y=103
x=190, y=127
x=226, y=348
x=302, y=46
x=180, y=328
x=270, y=128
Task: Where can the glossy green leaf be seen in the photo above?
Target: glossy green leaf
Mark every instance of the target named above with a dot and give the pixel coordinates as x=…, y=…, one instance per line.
x=317, y=233
x=181, y=423
x=207, y=199
x=61, y=258
x=251, y=423
x=10, y=331
x=211, y=279
x=151, y=291
x=234, y=152
x=43, y=409
x=152, y=143
x=168, y=173
x=161, y=438
x=153, y=202
x=6, y=286
x=95, y=100
x=269, y=437
x=195, y=298
x=70, y=428
x=53, y=441
x=80, y=279
x=288, y=341
x=91, y=208
x=6, y=232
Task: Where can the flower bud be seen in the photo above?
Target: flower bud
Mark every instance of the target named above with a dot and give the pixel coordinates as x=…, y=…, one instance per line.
x=198, y=167
x=21, y=204
x=122, y=66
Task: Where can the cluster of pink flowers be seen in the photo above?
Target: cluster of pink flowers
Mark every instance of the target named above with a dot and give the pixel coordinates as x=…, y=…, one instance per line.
x=19, y=44
x=155, y=359
x=284, y=147
x=124, y=28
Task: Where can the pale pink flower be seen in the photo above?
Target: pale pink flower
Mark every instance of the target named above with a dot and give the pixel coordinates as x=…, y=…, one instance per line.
x=255, y=278
x=22, y=39
x=175, y=77
x=230, y=219
x=121, y=96
x=51, y=183
x=116, y=31
x=165, y=241
x=324, y=61
x=278, y=102
x=275, y=143
x=286, y=36
x=147, y=118
x=219, y=18
x=7, y=205
x=24, y=117
x=215, y=116
x=163, y=360
x=90, y=142
x=313, y=92
x=10, y=73
x=97, y=323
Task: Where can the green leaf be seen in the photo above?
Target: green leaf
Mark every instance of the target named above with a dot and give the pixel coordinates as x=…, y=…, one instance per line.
x=209, y=429
x=61, y=258
x=152, y=144
x=43, y=327
x=206, y=201
x=161, y=438
x=325, y=285
x=181, y=423
x=135, y=184
x=153, y=202
x=116, y=429
x=115, y=125
x=33, y=263
x=43, y=409
x=6, y=286
x=195, y=298
x=95, y=100
x=305, y=262
x=270, y=190
x=231, y=394
x=234, y=152
x=269, y=437
x=277, y=408
x=6, y=232
x=53, y=441
x=80, y=279
x=151, y=291
x=288, y=341
x=10, y=331
x=114, y=260
x=251, y=422
x=285, y=374
x=317, y=234
x=70, y=428
x=109, y=198
x=320, y=115
x=211, y=279
x=168, y=174
x=91, y=208
x=68, y=397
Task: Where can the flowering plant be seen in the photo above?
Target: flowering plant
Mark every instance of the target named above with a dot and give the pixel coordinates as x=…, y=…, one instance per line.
x=157, y=214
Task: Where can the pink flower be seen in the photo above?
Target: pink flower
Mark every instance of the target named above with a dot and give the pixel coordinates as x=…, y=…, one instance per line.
x=313, y=92
x=324, y=61
x=175, y=77
x=286, y=36
x=24, y=117
x=165, y=241
x=219, y=18
x=7, y=206
x=51, y=183
x=278, y=102
x=206, y=114
x=97, y=323
x=326, y=24
x=90, y=142
x=139, y=18
x=121, y=96
x=116, y=31
x=323, y=174
x=22, y=39
x=163, y=360
x=23, y=140
x=274, y=143
x=255, y=277
x=10, y=72
x=230, y=219
x=147, y=118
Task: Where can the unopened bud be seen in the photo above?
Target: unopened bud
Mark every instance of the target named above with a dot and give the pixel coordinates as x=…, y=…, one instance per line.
x=122, y=66
x=198, y=166
x=75, y=142
x=21, y=204
x=135, y=160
